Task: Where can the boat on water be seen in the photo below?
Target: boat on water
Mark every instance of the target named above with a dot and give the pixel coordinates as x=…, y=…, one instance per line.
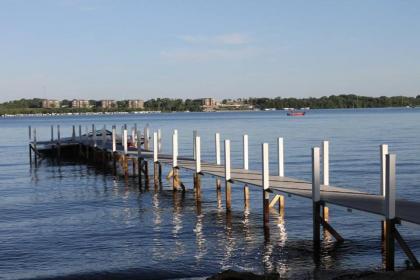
x=296, y=113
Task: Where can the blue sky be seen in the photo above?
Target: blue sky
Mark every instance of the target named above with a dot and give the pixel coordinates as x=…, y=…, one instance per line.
x=222, y=49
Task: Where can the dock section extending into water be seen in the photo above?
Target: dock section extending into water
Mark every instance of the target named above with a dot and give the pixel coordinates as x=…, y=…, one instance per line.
x=139, y=150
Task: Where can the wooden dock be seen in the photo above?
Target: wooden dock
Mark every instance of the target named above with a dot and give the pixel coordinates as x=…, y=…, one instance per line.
x=117, y=150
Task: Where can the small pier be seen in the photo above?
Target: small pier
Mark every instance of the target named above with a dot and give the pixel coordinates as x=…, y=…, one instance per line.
x=135, y=152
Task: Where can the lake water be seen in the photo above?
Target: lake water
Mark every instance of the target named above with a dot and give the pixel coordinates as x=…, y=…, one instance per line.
x=73, y=221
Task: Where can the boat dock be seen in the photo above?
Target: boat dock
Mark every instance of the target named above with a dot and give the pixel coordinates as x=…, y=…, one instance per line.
x=138, y=153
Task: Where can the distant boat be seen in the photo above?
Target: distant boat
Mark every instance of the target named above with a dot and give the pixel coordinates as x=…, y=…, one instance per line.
x=296, y=113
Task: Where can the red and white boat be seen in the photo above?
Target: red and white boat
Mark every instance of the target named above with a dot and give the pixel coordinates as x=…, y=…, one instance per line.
x=296, y=113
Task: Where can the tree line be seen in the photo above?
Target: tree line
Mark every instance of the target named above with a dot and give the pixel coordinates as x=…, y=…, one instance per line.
x=34, y=106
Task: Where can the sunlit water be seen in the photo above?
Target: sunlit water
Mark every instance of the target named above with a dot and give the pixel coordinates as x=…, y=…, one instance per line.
x=75, y=221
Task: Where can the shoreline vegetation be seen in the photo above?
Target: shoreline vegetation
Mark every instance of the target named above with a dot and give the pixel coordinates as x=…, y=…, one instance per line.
x=33, y=107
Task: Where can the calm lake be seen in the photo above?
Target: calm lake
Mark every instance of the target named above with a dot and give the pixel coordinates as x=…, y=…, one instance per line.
x=72, y=221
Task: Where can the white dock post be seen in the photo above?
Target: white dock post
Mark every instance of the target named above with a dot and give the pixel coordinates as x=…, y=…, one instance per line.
x=125, y=158
x=390, y=212
x=155, y=158
x=133, y=137
x=217, y=150
x=325, y=175
x=197, y=154
x=246, y=167
x=125, y=141
x=114, y=139
x=390, y=186
x=175, y=175
x=52, y=133
x=227, y=175
x=80, y=133
x=265, y=183
x=146, y=137
x=280, y=156
x=139, y=158
x=316, y=198
x=58, y=134
x=155, y=147
x=316, y=185
x=30, y=145
x=87, y=141
x=197, y=179
x=59, y=142
x=114, y=149
x=227, y=160
x=217, y=147
x=73, y=134
x=325, y=163
x=35, y=148
x=383, y=149
x=245, y=151
x=103, y=137
x=94, y=135
x=159, y=140
x=175, y=149
x=195, y=134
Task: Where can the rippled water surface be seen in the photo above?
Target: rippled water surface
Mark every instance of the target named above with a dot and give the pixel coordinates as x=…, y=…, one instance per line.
x=73, y=220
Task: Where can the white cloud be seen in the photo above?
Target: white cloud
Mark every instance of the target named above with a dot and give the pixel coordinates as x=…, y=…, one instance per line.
x=190, y=55
x=223, y=39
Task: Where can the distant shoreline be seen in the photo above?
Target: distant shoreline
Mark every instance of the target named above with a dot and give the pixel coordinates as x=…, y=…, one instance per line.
x=22, y=115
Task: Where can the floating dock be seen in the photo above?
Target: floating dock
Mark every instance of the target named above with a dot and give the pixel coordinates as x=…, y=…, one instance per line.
x=139, y=150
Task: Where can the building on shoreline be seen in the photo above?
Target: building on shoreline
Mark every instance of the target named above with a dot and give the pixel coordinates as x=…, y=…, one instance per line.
x=208, y=104
x=50, y=103
x=135, y=104
x=80, y=103
x=107, y=104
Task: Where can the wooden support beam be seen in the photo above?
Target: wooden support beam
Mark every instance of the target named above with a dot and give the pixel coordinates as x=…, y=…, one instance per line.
x=277, y=199
x=331, y=230
x=404, y=246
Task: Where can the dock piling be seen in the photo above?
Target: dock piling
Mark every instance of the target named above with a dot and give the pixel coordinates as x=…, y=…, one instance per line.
x=390, y=212
x=228, y=176
x=265, y=183
x=316, y=198
x=197, y=175
x=155, y=159
x=325, y=175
